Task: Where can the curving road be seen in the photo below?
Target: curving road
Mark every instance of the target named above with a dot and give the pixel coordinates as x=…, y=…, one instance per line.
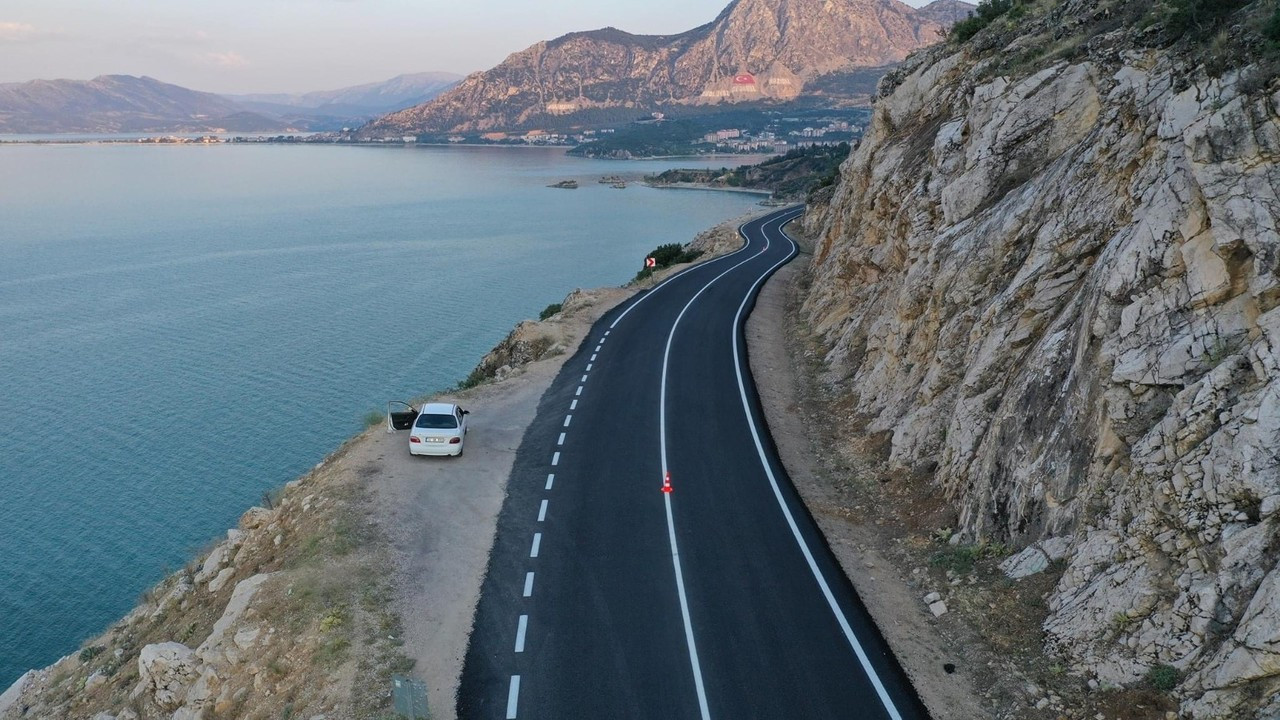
x=607, y=597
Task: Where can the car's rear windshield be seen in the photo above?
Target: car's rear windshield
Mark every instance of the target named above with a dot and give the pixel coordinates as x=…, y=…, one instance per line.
x=436, y=422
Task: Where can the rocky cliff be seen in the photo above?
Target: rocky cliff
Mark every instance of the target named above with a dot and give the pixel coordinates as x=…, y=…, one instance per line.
x=755, y=50
x=1051, y=274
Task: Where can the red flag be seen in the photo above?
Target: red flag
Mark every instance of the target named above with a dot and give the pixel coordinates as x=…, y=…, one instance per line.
x=744, y=79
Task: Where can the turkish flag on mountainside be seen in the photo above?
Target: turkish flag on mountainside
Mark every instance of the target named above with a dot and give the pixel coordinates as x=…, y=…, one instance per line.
x=744, y=79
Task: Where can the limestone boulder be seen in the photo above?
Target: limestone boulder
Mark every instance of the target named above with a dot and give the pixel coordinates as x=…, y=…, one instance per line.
x=166, y=672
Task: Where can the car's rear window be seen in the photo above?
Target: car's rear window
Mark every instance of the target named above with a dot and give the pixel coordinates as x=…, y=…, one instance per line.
x=436, y=422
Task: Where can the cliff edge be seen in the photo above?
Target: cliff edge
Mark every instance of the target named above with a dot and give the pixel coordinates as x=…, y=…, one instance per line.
x=1050, y=277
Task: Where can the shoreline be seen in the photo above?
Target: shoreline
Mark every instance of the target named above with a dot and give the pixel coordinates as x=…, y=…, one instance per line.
x=704, y=186
x=367, y=565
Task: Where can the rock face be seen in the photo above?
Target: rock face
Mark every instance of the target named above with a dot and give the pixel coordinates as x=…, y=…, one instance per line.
x=167, y=670
x=755, y=50
x=1059, y=293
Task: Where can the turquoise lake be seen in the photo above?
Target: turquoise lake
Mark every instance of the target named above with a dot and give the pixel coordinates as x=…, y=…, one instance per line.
x=183, y=328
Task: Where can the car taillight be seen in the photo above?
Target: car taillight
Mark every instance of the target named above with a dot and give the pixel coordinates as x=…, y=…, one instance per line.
x=414, y=439
x=455, y=441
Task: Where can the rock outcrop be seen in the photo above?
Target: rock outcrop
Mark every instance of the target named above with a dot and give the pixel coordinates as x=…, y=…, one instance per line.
x=755, y=50
x=1056, y=286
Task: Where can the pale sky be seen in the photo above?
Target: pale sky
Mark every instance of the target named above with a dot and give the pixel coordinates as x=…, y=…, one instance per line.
x=236, y=46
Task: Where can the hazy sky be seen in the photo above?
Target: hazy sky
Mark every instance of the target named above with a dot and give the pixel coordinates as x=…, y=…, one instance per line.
x=301, y=45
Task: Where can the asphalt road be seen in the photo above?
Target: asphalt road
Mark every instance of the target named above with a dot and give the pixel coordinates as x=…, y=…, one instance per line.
x=609, y=598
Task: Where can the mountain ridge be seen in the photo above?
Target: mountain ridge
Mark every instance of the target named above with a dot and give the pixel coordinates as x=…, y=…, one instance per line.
x=129, y=104
x=754, y=50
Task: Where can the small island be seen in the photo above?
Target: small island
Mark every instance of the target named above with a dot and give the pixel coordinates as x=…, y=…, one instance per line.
x=565, y=185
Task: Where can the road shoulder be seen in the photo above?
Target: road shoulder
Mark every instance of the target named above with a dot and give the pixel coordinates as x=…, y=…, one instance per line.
x=777, y=365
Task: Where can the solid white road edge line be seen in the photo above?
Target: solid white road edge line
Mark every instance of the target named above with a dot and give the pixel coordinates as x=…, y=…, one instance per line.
x=671, y=525
x=513, y=697
x=528, y=584
x=795, y=530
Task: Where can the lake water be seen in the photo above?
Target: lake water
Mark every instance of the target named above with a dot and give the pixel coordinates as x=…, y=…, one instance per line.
x=184, y=328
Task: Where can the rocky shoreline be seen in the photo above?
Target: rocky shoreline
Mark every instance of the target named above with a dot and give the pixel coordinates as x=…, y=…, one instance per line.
x=299, y=611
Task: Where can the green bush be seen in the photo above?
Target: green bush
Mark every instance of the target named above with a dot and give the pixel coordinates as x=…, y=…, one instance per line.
x=91, y=652
x=1272, y=29
x=549, y=310
x=1197, y=17
x=1163, y=677
x=984, y=15
x=666, y=256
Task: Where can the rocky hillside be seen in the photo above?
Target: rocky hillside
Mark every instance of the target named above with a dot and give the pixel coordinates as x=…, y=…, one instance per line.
x=755, y=50
x=118, y=103
x=1050, y=278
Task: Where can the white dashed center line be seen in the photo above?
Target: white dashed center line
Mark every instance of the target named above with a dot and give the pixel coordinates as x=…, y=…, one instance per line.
x=560, y=441
x=555, y=459
x=589, y=366
x=579, y=390
x=513, y=697
x=567, y=418
x=573, y=405
x=528, y=584
x=537, y=543
x=542, y=512
x=584, y=378
x=594, y=356
x=524, y=625
x=551, y=479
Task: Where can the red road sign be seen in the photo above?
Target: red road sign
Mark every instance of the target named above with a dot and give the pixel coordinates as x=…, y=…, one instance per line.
x=650, y=262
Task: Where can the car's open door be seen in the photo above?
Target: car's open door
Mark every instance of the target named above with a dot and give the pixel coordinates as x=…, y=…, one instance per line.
x=400, y=415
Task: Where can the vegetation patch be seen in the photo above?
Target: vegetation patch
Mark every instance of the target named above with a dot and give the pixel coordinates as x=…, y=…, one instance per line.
x=1163, y=678
x=790, y=176
x=548, y=311
x=665, y=256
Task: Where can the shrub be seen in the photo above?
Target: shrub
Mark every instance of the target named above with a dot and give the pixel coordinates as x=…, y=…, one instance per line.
x=91, y=652
x=961, y=559
x=1197, y=17
x=666, y=256
x=549, y=310
x=984, y=15
x=1163, y=677
x=373, y=417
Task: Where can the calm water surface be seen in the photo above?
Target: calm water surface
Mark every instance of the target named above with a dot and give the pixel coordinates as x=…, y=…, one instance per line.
x=184, y=328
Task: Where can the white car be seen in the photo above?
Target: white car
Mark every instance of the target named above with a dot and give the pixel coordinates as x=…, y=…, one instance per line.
x=441, y=429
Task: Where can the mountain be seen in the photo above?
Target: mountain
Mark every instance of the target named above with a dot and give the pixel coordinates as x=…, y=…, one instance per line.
x=946, y=12
x=365, y=100
x=755, y=50
x=118, y=103
x=1046, y=290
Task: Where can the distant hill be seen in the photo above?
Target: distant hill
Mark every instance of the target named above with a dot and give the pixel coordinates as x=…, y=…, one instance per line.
x=946, y=12
x=118, y=103
x=755, y=50
x=124, y=103
x=365, y=100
